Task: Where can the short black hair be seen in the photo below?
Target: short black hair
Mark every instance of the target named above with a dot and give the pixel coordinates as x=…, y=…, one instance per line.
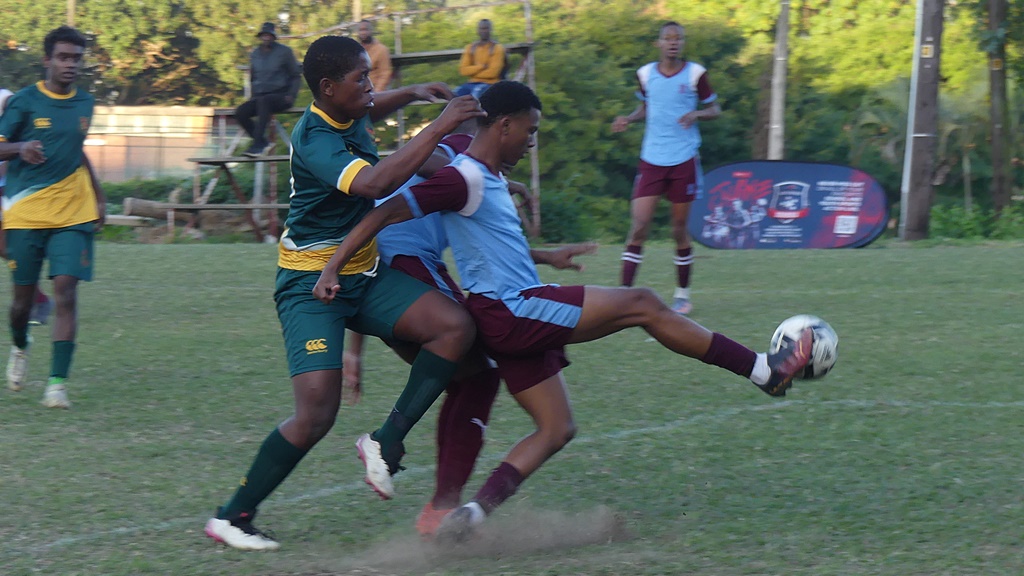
x=330, y=57
x=671, y=23
x=62, y=34
x=507, y=98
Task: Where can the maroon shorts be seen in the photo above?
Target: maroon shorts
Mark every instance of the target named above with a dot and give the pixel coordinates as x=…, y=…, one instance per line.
x=527, y=335
x=435, y=275
x=680, y=183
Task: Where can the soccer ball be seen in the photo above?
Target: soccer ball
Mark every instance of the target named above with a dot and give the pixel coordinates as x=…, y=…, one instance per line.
x=824, y=347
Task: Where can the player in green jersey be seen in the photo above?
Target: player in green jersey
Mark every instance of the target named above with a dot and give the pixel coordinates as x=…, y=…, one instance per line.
x=52, y=204
x=336, y=175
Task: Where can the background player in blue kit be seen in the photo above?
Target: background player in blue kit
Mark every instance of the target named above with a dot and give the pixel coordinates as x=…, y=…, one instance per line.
x=675, y=94
x=52, y=204
x=523, y=323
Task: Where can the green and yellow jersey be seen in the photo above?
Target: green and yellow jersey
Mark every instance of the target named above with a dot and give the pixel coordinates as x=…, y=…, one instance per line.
x=326, y=156
x=57, y=193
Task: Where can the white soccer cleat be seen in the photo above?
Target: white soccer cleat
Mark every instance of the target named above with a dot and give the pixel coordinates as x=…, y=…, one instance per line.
x=240, y=534
x=56, y=396
x=378, y=475
x=17, y=368
x=460, y=524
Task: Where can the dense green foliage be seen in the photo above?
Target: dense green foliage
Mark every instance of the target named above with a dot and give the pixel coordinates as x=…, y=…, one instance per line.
x=847, y=88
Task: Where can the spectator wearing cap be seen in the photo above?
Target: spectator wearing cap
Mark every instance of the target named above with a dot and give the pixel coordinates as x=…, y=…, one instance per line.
x=275, y=77
x=380, y=56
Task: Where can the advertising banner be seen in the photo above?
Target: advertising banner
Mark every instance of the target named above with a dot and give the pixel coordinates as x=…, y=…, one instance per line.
x=777, y=204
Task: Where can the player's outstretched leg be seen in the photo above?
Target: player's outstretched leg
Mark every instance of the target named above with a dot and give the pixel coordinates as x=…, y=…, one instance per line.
x=609, y=310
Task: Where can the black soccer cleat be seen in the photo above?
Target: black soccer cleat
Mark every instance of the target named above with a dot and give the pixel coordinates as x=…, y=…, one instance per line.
x=787, y=363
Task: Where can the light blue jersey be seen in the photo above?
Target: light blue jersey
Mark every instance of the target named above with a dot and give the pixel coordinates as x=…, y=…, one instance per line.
x=423, y=238
x=669, y=98
x=483, y=227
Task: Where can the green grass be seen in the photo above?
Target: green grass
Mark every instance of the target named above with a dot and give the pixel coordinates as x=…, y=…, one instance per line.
x=905, y=460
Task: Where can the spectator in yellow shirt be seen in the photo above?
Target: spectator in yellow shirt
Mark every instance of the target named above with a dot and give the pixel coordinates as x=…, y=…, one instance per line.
x=380, y=56
x=483, y=62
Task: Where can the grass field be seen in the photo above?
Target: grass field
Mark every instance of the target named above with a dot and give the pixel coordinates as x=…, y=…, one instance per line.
x=905, y=460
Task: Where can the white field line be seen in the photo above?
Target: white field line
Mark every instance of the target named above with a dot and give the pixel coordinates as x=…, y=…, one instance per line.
x=197, y=521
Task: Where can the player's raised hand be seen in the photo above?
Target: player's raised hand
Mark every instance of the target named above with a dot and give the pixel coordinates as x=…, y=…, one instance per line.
x=32, y=152
x=326, y=287
x=458, y=111
x=432, y=92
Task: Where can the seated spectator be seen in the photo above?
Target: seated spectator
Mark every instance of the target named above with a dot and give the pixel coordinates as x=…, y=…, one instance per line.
x=483, y=62
x=380, y=56
x=275, y=76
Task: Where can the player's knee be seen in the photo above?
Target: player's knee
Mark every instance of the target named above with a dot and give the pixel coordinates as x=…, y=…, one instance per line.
x=556, y=436
x=457, y=327
x=314, y=426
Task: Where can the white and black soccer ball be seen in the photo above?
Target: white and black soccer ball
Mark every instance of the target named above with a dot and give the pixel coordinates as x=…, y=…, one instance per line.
x=824, y=349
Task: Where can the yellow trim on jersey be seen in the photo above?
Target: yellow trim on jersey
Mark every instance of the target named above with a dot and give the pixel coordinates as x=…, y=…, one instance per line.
x=41, y=85
x=349, y=174
x=315, y=259
x=329, y=120
x=66, y=203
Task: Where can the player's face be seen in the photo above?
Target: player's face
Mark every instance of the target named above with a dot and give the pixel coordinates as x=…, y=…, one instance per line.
x=521, y=135
x=671, y=41
x=350, y=97
x=64, y=66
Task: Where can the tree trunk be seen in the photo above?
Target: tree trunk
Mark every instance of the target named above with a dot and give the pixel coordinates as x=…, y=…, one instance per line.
x=997, y=101
x=922, y=123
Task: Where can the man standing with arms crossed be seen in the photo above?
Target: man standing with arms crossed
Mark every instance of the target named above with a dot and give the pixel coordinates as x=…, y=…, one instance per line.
x=675, y=94
x=52, y=204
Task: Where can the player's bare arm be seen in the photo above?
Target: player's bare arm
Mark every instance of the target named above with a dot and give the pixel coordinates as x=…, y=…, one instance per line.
x=562, y=257
x=101, y=198
x=393, y=211
x=388, y=101
x=622, y=122
x=30, y=151
x=710, y=112
x=387, y=175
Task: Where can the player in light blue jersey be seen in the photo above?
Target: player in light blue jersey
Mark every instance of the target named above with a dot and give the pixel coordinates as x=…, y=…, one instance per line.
x=524, y=323
x=674, y=94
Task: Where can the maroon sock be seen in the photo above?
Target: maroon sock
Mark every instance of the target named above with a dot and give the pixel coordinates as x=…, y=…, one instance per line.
x=731, y=355
x=500, y=486
x=631, y=260
x=460, y=434
x=684, y=263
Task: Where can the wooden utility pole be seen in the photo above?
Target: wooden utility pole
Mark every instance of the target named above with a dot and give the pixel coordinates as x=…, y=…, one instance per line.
x=922, y=122
x=71, y=13
x=777, y=111
x=997, y=10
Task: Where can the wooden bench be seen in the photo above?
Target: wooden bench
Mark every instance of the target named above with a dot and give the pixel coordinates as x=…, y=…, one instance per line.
x=224, y=165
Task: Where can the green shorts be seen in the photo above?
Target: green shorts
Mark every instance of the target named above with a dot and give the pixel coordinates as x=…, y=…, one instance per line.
x=69, y=250
x=314, y=332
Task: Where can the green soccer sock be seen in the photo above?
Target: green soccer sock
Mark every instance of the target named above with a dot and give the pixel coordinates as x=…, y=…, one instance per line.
x=60, y=364
x=19, y=336
x=275, y=460
x=429, y=376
